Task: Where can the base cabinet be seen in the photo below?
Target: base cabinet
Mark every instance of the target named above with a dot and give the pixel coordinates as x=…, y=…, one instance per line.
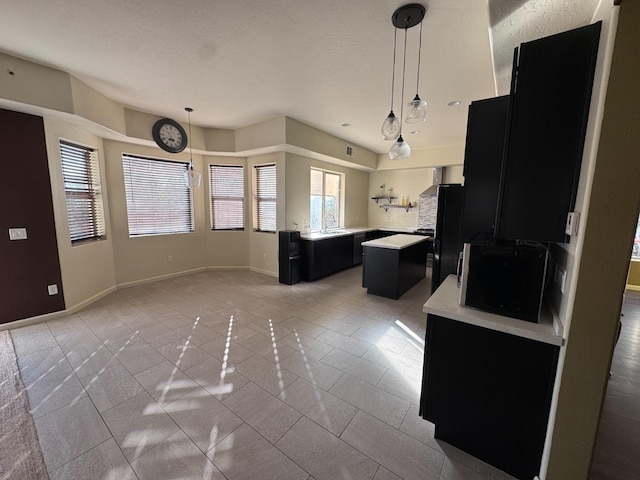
x=326, y=256
x=488, y=393
x=391, y=273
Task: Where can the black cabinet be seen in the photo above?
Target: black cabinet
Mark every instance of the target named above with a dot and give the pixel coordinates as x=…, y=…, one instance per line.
x=484, y=149
x=289, y=257
x=551, y=93
x=524, y=151
x=326, y=256
x=391, y=273
x=488, y=393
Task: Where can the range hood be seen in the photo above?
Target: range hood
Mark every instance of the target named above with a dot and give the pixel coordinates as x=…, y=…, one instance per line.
x=438, y=178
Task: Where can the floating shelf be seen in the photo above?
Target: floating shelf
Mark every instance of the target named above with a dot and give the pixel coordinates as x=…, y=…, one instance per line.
x=388, y=198
x=387, y=207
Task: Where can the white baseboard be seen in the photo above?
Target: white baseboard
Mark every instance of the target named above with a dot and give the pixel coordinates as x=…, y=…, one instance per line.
x=85, y=303
x=264, y=272
x=160, y=277
x=25, y=322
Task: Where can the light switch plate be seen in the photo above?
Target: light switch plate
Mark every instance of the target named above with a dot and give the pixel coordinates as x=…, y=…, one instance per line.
x=53, y=289
x=573, y=219
x=17, y=234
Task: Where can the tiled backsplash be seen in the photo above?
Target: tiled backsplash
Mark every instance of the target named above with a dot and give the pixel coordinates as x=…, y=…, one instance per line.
x=427, y=210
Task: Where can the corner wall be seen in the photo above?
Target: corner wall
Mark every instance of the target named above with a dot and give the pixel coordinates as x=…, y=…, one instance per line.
x=602, y=259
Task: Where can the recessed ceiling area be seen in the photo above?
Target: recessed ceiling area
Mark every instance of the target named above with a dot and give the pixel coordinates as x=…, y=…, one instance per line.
x=324, y=62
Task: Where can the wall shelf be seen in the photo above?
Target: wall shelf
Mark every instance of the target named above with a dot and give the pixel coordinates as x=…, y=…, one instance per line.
x=388, y=198
x=387, y=207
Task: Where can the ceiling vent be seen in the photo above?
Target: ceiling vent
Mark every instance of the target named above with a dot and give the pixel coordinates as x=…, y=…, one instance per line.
x=351, y=152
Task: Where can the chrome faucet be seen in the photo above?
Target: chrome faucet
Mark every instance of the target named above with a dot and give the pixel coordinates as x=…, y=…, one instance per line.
x=326, y=221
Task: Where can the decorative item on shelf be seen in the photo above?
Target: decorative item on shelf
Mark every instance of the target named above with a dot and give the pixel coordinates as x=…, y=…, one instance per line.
x=405, y=17
x=192, y=178
x=384, y=195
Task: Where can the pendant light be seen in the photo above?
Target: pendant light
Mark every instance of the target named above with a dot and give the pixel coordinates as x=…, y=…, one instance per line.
x=391, y=125
x=417, y=107
x=401, y=149
x=192, y=178
x=405, y=17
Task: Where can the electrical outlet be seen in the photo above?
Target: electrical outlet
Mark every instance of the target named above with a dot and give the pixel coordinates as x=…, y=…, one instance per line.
x=264, y=255
x=53, y=289
x=562, y=279
x=169, y=258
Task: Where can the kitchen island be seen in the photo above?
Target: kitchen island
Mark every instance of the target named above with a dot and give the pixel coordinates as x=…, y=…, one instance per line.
x=488, y=381
x=392, y=265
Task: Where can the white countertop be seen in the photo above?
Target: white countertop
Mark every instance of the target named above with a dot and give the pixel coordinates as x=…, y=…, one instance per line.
x=341, y=232
x=396, y=242
x=445, y=302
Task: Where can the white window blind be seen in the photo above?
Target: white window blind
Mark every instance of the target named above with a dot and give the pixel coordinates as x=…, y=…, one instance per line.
x=158, y=201
x=264, y=190
x=81, y=174
x=227, y=197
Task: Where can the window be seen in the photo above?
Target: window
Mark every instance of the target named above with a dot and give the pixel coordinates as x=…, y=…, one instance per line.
x=81, y=174
x=227, y=197
x=264, y=200
x=158, y=200
x=325, y=200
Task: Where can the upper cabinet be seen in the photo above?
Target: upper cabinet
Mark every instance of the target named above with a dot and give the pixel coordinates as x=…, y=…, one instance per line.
x=550, y=97
x=483, y=154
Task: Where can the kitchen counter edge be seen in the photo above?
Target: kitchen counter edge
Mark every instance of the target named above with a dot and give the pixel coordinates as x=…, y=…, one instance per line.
x=445, y=302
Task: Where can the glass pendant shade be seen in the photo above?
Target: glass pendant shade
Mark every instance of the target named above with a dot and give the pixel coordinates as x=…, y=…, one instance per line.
x=400, y=149
x=390, y=127
x=192, y=178
x=417, y=110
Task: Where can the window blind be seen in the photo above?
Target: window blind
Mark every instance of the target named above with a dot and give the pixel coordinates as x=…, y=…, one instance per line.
x=227, y=197
x=264, y=188
x=158, y=200
x=81, y=174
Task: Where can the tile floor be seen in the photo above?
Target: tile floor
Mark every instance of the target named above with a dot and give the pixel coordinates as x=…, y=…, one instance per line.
x=231, y=375
x=616, y=455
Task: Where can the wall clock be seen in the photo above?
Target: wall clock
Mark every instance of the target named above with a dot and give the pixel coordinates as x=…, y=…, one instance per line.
x=169, y=135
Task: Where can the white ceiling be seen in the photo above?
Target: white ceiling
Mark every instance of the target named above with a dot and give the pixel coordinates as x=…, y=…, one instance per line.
x=322, y=62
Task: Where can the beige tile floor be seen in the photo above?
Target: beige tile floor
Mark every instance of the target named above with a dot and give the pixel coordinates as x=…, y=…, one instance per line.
x=231, y=375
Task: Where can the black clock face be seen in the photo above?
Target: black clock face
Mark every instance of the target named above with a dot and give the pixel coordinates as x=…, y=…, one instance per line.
x=169, y=135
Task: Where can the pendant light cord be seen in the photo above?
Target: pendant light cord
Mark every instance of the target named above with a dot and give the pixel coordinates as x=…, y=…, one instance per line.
x=393, y=71
x=404, y=66
x=189, y=110
x=419, y=57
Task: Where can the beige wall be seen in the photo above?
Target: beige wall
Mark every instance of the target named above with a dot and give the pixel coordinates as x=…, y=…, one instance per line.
x=88, y=268
x=409, y=183
x=263, y=247
x=601, y=259
x=227, y=249
x=633, y=280
x=437, y=156
x=143, y=258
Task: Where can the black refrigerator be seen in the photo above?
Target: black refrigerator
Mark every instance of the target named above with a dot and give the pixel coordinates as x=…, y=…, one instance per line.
x=447, y=242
